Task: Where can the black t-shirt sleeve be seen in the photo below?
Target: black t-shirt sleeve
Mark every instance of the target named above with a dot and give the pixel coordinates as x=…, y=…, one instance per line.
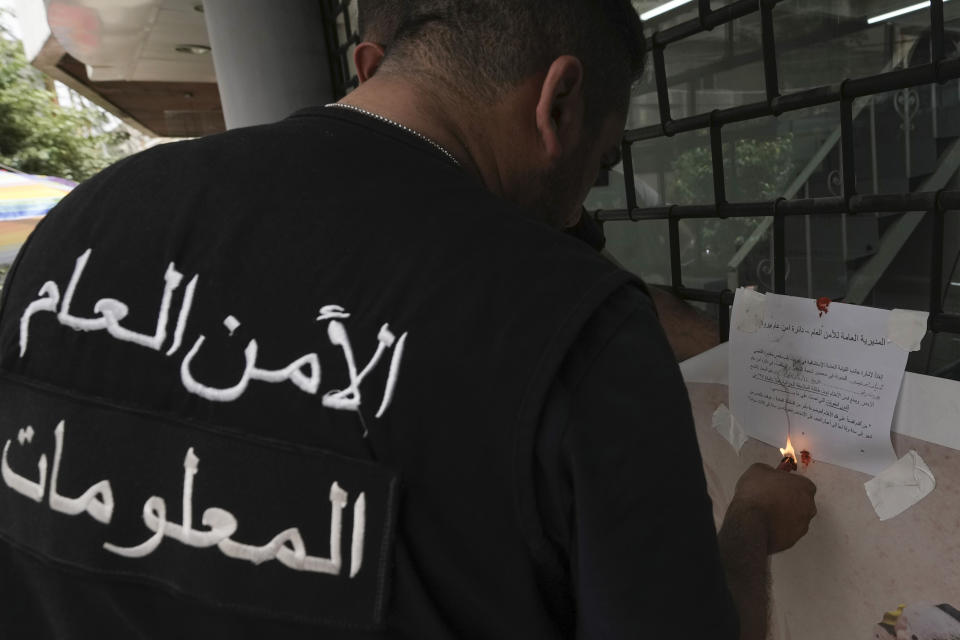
x=621, y=488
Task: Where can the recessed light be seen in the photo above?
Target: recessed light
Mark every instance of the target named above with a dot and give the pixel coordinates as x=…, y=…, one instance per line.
x=899, y=12
x=663, y=8
x=195, y=49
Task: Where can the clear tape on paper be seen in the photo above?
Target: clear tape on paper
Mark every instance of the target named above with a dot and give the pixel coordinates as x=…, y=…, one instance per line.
x=748, y=315
x=906, y=329
x=727, y=426
x=902, y=485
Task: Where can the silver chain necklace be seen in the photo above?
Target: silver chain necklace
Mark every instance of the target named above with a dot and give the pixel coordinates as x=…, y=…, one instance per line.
x=381, y=118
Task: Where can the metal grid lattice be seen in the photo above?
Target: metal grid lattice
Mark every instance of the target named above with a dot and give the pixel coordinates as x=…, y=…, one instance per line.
x=935, y=203
x=342, y=34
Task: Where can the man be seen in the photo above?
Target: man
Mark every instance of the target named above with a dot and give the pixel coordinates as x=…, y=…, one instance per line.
x=688, y=331
x=377, y=22
x=397, y=404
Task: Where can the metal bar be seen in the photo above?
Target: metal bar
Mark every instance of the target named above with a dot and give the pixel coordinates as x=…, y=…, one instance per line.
x=663, y=94
x=676, y=270
x=805, y=99
x=723, y=321
x=891, y=80
x=702, y=295
x=328, y=16
x=949, y=200
x=742, y=112
x=714, y=19
x=880, y=83
x=628, y=177
x=808, y=246
x=692, y=123
x=846, y=148
x=703, y=10
x=948, y=69
x=645, y=133
x=812, y=206
x=716, y=152
x=771, y=77
x=780, y=254
x=874, y=170
x=936, y=263
x=949, y=322
x=936, y=31
x=887, y=202
x=727, y=62
x=894, y=202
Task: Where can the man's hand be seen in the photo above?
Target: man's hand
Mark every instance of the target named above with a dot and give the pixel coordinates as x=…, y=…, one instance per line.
x=784, y=501
x=769, y=512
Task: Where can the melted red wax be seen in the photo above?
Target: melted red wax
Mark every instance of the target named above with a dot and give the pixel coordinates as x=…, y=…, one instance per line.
x=823, y=305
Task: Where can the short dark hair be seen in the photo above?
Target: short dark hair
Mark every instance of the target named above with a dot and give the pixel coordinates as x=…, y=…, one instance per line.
x=484, y=47
x=377, y=20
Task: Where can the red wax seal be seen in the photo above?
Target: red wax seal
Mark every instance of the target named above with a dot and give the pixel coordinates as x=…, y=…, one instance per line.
x=823, y=305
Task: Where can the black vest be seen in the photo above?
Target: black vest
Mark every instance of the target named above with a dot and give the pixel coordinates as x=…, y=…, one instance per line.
x=287, y=378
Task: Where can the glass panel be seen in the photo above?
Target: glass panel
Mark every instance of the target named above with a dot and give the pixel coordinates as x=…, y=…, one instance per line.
x=644, y=108
x=612, y=195
x=351, y=65
x=951, y=259
x=642, y=247
x=342, y=35
x=675, y=170
x=713, y=254
x=942, y=356
x=353, y=10
x=821, y=42
x=951, y=23
x=820, y=252
x=769, y=157
x=903, y=137
x=905, y=284
x=716, y=69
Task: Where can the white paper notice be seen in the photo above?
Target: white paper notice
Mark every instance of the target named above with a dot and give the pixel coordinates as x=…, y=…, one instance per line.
x=828, y=380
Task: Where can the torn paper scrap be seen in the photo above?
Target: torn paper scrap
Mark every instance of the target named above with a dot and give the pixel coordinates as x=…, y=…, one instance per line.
x=749, y=308
x=710, y=367
x=906, y=329
x=726, y=424
x=901, y=486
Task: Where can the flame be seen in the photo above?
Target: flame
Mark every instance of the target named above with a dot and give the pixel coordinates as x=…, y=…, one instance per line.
x=789, y=451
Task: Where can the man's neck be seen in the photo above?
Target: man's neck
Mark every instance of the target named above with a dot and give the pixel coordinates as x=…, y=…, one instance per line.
x=422, y=111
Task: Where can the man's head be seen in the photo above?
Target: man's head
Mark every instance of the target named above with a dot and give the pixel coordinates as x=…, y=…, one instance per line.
x=489, y=46
x=378, y=20
x=549, y=79
x=377, y=23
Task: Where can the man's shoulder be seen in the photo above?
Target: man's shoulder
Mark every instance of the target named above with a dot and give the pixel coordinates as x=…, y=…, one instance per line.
x=626, y=318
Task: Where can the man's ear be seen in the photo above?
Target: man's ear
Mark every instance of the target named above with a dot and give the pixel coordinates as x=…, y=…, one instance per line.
x=367, y=57
x=560, y=108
